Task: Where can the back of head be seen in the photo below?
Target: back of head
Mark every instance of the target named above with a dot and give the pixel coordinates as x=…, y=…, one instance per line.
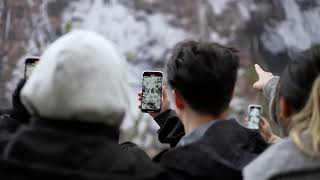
x=81, y=76
x=298, y=77
x=300, y=86
x=204, y=74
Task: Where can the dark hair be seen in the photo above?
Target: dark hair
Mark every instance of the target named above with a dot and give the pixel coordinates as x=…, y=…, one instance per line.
x=298, y=77
x=204, y=74
x=19, y=112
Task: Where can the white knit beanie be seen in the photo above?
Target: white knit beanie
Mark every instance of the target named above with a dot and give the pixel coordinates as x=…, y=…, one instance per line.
x=81, y=76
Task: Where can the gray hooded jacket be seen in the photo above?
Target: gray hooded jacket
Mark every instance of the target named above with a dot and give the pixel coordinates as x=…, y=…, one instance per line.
x=283, y=161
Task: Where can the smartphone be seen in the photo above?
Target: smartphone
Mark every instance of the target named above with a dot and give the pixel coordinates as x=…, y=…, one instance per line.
x=151, y=91
x=254, y=115
x=29, y=65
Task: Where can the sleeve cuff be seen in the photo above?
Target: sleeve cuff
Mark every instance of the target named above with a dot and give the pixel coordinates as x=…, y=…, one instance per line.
x=162, y=118
x=270, y=87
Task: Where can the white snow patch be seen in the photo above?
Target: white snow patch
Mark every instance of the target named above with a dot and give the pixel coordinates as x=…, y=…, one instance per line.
x=311, y=23
x=41, y=35
x=244, y=7
x=214, y=36
x=273, y=41
x=30, y=3
x=297, y=33
x=150, y=1
x=292, y=29
x=219, y=5
x=138, y=34
x=244, y=11
x=8, y=24
x=238, y=104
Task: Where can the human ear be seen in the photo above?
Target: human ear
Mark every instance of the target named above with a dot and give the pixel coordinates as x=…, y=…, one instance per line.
x=232, y=94
x=285, y=112
x=178, y=99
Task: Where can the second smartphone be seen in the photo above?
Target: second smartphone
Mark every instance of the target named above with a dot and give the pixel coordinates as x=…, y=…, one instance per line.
x=29, y=64
x=254, y=114
x=151, y=91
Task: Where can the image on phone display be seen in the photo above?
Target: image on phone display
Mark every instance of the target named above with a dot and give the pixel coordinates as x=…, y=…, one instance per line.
x=30, y=64
x=29, y=69
x=151, y=92
x=254, y=113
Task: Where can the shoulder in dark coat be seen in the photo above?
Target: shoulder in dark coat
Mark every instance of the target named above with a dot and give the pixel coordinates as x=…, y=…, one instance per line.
x=171, y=129
x=72, y=150
x=222, y=152
x=8, y=127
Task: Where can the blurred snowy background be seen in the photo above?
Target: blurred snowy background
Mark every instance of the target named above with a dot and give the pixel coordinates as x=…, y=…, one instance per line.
x=267, y=32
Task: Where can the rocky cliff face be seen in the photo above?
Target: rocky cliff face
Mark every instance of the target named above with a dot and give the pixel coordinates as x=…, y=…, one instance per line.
x=26, y=28
x=267, y=32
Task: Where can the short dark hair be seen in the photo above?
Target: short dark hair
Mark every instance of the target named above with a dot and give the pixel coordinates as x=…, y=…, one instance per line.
x=204, y=74
x=298, y=77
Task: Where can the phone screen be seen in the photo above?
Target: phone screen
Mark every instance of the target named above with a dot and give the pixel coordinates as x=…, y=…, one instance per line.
x=151, y=92
x=254, y=113
x=30, y=64
x=29, y=69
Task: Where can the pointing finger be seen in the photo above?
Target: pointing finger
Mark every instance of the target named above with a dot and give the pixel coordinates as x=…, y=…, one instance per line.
x=258, y=69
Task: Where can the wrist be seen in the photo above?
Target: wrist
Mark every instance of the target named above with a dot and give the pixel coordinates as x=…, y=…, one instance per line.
x=273, y=139
x=155, y=115
x=162, y=117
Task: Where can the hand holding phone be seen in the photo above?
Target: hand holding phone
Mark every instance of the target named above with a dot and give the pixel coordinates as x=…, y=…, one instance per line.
x=165, y=104
x=254, y=115
x=151, y=99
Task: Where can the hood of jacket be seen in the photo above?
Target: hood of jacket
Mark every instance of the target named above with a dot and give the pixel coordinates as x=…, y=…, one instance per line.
x=80, y=76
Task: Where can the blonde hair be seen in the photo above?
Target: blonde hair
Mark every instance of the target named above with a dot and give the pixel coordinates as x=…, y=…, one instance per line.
x=307, y=122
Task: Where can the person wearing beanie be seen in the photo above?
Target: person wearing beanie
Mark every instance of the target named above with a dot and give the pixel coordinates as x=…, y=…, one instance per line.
x=77, y=99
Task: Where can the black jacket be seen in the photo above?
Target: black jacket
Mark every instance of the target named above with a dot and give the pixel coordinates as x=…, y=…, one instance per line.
x=49, y=149
x=11, y=120
x=222, y=152
x=8, y=127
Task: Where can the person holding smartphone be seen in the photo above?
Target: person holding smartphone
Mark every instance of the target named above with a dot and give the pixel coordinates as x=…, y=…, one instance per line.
x=295, y=114
x=11, y=120
x=205, y=142
x=77, y=97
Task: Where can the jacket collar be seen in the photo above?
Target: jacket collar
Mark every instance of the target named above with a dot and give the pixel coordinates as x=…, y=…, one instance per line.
x=196, y=134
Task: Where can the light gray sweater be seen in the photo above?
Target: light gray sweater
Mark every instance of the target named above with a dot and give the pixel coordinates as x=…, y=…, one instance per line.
x=283, y=161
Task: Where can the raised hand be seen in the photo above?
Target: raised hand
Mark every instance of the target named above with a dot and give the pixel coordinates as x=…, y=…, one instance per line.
x=264, y=77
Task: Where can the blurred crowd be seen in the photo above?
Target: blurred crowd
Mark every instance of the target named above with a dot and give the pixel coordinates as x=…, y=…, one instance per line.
x=65, y=118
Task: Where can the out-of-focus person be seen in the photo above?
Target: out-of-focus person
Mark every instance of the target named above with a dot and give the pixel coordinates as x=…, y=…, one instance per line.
x=12, y=119
x=205, y=143
x=268, y=84
x=297, y=113
x=77, y=97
